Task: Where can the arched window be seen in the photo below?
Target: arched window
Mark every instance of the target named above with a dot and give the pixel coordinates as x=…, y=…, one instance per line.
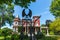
x=15, y=23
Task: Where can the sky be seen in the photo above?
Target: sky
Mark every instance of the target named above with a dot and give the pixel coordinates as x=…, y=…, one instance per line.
x=39, y=8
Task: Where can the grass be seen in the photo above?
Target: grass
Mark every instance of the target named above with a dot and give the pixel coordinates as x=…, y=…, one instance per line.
x=45, y=38
x=51, y=38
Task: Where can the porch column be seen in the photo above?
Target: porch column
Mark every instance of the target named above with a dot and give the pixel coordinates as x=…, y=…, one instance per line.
x=25, y=30
x=40, y=29
x=47, y=32
x=35, y=31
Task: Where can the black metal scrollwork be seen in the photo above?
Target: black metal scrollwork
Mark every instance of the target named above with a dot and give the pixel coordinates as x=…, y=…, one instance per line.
x=24, y=14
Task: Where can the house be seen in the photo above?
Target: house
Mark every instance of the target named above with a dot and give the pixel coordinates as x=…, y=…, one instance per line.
x=34, y=22
x=26, y=24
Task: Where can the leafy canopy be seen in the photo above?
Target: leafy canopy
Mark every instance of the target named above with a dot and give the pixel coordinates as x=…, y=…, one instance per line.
x=55, y=25
x=55, y=8
x=22, y=3
x=6, y=9
x=6, y=14
x=6, y=31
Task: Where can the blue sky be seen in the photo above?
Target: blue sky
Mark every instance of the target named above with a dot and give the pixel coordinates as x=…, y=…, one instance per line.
x=40, y=7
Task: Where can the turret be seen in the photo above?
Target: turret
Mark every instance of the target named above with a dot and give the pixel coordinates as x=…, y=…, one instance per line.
x=16, y=23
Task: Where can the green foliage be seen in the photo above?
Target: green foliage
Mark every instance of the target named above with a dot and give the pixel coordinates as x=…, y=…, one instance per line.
x=6, y=15
x=48, y=22
x=55, y=25
x=55, y=8
x=7, y=8
x=51, y=33
x=45, y=38
x=50, y=38
x=40, y=35
x=6, y=32
x=15, y=36
x=24, y=3
x=25, y=36
x=43, y=25
x=44, y=32
x=0, y=32
x=6, y=1
x=19, y=28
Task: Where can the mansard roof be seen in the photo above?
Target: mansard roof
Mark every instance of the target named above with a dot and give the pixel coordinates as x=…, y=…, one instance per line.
x=17, y=18
x=36, y=16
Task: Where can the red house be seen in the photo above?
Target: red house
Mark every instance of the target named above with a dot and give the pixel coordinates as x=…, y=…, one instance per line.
x=19, y=22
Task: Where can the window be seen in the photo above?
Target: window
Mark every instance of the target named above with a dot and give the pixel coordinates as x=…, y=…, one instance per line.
x=15, y=23
x=36, y=24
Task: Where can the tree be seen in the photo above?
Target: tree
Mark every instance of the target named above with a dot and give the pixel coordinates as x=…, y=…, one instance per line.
x=55, y=8
x=6, y=1
x=43, y=25
x=6, y=14
x=6, y=32
x=55, y=26
x=48, y=22
x=22, y=3
x=6, y=6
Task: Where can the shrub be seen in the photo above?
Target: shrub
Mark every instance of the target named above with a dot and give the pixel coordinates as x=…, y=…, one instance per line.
x=51, y=33
x=39, y=35
x=15, y=37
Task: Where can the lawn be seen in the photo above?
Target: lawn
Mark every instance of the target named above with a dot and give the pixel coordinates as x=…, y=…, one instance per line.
x=51, y=38
x=45, y=38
